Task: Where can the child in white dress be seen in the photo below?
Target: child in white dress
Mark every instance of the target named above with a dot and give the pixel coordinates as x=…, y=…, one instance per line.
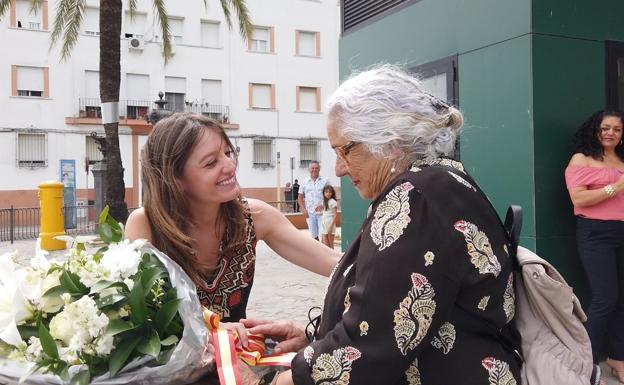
x=328, y=220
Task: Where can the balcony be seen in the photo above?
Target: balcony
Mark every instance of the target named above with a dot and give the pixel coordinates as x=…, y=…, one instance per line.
x=133, y=112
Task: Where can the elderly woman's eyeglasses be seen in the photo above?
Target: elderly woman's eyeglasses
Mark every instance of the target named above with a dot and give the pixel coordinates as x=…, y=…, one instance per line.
x=343, y=151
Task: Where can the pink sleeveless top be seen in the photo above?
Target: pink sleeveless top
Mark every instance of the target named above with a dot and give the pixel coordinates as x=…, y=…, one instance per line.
x=595, y=178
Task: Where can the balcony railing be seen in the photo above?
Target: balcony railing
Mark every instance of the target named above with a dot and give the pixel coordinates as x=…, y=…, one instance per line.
x=138, y=109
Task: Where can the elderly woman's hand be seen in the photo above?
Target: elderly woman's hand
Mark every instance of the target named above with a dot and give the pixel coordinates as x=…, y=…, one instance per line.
x=291, y=337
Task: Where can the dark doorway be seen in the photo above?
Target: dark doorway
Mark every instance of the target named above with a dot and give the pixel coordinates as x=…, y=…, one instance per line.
x=615, y=75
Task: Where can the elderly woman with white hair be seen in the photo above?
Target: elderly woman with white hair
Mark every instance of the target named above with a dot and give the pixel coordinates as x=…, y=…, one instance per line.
x=417, y=297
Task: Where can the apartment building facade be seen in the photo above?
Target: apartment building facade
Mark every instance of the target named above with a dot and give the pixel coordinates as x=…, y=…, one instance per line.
x=269, y=93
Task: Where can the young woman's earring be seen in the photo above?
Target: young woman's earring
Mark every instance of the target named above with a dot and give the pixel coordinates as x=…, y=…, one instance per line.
x=393, y=169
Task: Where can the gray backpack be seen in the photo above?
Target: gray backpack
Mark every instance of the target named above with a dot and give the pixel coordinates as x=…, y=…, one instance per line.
x=555, y=345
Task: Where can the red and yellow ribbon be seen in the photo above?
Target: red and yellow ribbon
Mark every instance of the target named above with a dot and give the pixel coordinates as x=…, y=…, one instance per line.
x=227, y=347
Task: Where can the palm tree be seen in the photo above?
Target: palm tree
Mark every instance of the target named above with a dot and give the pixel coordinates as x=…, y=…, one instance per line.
x=66, y=27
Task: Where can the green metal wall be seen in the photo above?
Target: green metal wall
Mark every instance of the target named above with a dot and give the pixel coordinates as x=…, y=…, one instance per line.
x=529, y=74
x=492, y=40
x=568, y=52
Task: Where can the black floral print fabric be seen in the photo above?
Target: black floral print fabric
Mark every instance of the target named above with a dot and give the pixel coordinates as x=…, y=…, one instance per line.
x=430, y=249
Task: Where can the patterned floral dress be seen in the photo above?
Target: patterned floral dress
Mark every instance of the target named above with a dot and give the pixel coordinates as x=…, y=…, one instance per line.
x=430, y=249
x=228, y=290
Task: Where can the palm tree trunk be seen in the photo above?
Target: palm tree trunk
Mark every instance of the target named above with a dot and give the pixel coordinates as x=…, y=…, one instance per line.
x=110, y=73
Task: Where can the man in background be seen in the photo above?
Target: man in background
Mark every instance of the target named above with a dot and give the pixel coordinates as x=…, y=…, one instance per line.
x=311, y=198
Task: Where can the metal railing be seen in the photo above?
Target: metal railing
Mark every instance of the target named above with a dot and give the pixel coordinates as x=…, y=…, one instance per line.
x=285, y=206
x=138, y=109
x=17, y=223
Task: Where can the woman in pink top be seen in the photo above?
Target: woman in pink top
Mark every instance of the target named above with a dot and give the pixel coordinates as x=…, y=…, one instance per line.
x=595, y=181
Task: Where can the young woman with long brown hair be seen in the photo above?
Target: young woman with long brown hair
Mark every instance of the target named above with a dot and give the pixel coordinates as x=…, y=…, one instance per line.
x=193, y=211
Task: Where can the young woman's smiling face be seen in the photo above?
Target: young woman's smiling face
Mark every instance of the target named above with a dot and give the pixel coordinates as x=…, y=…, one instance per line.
x=210, y=172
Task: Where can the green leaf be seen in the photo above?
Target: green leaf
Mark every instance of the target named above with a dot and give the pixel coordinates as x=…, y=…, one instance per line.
x=103, y=215
x=165, y=355
x=72, y=283
x=27, y=331
x=106, y=233
x=174, y=327
x=150, y=276
x=165, y=314
x=109, y=300
x=117, y=326
x=47, y=342
x=116, y=228
x=103, y=285
x=136, y=299
x=81, y=247
x=150, y=346
x=170, y=295
x=55, y=291
x=120, y=355
x=169, y=340
x=83, y=377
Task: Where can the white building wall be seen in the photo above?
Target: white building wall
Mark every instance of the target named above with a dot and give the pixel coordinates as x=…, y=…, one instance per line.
x=231, y=63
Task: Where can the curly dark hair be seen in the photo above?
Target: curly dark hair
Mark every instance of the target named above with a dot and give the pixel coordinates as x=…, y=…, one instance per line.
x=586, y=137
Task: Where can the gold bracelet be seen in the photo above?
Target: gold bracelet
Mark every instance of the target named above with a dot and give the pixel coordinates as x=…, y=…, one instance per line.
x=609, y=190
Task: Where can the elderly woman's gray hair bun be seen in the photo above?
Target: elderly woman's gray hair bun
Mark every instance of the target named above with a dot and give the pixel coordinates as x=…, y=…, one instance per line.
x=389, y=111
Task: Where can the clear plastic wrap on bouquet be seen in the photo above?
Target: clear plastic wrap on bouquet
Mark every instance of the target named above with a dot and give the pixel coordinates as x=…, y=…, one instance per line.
x=192, y=358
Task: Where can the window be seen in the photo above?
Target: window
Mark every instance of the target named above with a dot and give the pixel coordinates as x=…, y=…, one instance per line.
x=92, y=150
x=615, y=75
x=137, y=92
x=136, y=25
x=309, y=99
x=308, y=152
x=210, y=33
x=90, y=106
x=439, y=78
x=307, y=43
x=211, y=100
x=25, y=17
x=32, y=150
x=262, y=152
x=211, y=91
x=91, y=21
x=30, y=81
x=176, y=28
x=175, y=92
x=261, y=96
x=262, y=40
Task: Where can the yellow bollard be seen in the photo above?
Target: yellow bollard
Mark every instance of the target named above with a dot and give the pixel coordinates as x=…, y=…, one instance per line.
x=52, y=219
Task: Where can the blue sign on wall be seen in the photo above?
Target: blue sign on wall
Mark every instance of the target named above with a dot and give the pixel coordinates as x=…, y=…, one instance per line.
x=68, y=178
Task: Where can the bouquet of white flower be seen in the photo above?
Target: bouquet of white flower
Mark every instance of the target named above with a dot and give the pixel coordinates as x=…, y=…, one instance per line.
x=125, y=313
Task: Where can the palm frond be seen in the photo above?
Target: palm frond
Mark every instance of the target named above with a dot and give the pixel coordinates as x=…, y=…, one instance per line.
x=132, y=7
x=62, y=9
x=163, y=20
x=35, y=6
x=245, y=25
x=4, y=6
x=67, y=25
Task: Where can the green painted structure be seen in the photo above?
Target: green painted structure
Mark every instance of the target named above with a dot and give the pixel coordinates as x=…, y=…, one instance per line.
x=528, y=74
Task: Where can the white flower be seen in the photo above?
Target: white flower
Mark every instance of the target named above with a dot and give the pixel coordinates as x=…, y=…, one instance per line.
x=34, y=350
x=78, y=325
x=104, y=345
x=15, y=309
x=18, y=353
x=61, y=327
x=122, y=259
x=50, y=304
